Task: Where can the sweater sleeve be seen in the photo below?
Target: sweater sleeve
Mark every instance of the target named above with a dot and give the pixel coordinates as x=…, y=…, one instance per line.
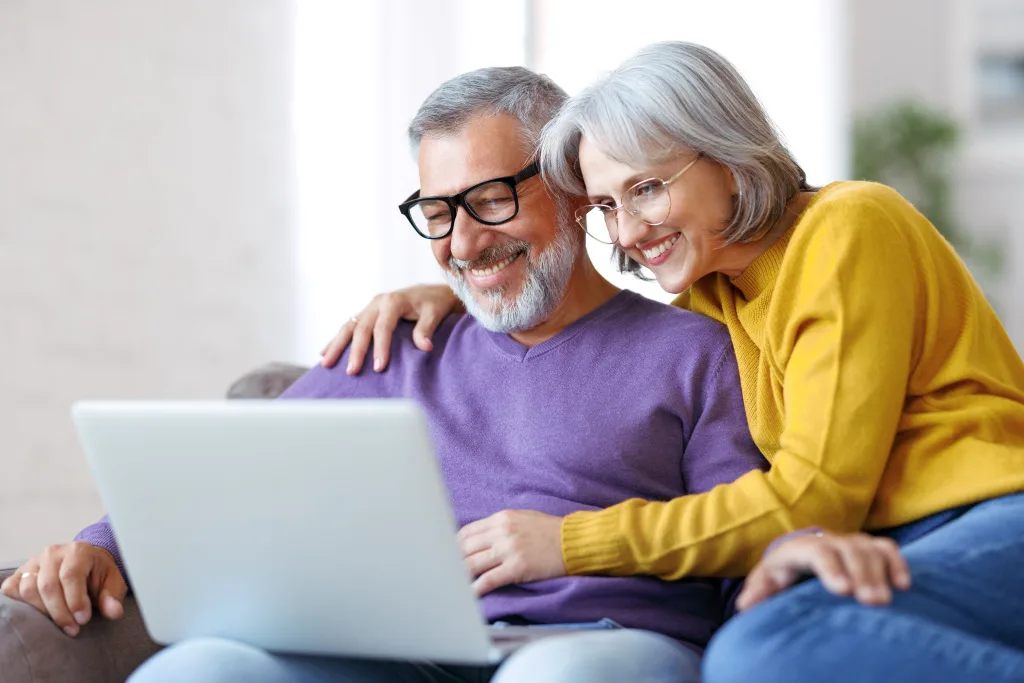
x=844, y=353
x=101, y=535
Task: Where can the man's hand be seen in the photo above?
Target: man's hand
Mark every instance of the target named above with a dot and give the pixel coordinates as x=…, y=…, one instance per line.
x=64, y=582
x=858, y=565
x=512, y=546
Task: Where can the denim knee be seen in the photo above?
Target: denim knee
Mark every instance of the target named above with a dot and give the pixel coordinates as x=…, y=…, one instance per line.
x=210, y=660
x=602, y=657
x=767, y=643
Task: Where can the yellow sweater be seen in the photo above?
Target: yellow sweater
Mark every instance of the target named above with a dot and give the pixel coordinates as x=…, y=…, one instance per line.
x=878, y=383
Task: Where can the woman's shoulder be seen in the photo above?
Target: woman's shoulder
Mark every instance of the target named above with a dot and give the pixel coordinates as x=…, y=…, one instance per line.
x=856, y=215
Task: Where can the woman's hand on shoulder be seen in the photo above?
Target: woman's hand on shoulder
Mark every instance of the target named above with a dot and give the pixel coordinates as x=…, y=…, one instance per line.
x=862, y=566
x=428, y=305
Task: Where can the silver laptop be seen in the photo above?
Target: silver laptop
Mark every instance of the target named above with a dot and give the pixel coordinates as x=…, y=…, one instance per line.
x=317, y=527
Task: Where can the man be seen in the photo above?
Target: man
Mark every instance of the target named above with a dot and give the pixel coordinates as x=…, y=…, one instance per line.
x=556, y=393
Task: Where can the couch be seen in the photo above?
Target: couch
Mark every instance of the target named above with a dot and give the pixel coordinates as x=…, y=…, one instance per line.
x=34, y=650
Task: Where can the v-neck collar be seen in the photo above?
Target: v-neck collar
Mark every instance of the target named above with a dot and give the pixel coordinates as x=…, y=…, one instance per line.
x=513, y=349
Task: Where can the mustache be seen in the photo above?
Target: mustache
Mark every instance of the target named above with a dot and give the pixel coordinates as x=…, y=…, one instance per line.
x=489, y=256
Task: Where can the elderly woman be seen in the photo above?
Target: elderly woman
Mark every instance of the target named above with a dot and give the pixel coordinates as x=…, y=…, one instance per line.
x=876, y=377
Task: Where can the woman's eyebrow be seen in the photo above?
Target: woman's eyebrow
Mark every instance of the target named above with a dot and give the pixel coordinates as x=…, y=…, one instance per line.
x=629, y=182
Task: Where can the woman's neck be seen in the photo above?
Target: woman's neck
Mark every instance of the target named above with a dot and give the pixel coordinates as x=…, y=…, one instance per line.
x=742, y=255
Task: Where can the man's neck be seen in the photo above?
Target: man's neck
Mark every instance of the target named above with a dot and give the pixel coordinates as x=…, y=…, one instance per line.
x=586, y=291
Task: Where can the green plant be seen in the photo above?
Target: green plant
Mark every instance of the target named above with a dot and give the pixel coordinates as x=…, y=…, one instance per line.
x=912, y=148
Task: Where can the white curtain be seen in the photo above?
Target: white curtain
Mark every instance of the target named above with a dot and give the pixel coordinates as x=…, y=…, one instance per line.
x=362, y=70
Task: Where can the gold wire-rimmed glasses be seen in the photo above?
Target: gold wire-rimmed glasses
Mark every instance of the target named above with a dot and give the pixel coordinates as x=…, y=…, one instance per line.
x=647, y=200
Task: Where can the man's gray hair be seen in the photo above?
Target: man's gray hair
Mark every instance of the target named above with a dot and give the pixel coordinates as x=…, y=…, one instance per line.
x=670, y=98
x=530, y=97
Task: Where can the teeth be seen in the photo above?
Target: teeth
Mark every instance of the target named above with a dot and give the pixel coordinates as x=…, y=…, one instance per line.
x=500, y=265
x=661, y=248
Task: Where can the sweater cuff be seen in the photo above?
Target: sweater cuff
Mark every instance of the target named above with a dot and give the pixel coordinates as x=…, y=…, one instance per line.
x=101, y=535
x=591, y=543
x=816, y=530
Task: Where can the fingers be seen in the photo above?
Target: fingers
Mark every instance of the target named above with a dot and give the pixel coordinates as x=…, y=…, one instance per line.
x=112, y=594
x=425, y=328
x=28, y=589
x=896, y=565
x=362, y=334
x=107, y=586
x=866, y=568
x=10, y=585
x=502, y=575
x=332, y=352
x=475, y=543
x=482, y=562
x=756, y=588
x=830, y=569
x=51, y=591
x=383, y=329
x=74, y=575
x=480, y=526
x=764, y=582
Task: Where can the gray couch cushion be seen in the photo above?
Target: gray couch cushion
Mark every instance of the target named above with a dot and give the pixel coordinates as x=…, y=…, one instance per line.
x=267, y=381
x=34, y=650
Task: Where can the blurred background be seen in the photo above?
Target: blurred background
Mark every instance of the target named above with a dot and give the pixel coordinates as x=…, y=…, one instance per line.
x=189, y=189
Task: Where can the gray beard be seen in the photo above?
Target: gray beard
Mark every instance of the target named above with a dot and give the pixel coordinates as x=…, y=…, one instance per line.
x=543, y=289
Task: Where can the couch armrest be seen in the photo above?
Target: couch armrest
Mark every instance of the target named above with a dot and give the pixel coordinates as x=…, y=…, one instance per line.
x=8, y=568
x=34, y=650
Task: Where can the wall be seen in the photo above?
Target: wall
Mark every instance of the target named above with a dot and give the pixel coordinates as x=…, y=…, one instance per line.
x=146, y=224
x=363, y=69
x=926, y=50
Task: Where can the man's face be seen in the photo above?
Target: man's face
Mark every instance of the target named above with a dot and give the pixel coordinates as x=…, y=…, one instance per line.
x=511, y=276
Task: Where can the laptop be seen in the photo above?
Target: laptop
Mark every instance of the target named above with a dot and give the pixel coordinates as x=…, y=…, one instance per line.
x=310, y=527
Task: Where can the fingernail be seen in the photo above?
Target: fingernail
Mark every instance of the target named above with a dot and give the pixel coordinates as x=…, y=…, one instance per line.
x=81, y=617
x=350, y=370
x=71, y=630
x=377, y=364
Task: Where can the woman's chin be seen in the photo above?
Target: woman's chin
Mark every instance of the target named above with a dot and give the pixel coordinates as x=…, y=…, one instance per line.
x=673, y=282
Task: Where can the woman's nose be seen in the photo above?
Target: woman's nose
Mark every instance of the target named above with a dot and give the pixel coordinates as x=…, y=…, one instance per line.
x=630, y=229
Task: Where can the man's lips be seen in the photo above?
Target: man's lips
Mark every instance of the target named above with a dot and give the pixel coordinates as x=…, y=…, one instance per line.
x=492, y=273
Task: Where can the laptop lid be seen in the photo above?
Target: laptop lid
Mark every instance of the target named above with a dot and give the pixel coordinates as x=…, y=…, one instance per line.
x=319, y=527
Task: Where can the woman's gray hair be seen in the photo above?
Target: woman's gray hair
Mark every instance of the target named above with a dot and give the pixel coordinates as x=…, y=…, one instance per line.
x=530, y=97
x=669, y=98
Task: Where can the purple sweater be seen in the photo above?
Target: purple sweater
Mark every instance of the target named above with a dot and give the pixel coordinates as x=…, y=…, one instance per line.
x=635, y=400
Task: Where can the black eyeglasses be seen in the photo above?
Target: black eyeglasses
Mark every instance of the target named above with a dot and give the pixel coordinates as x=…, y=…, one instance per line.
x=491, y=202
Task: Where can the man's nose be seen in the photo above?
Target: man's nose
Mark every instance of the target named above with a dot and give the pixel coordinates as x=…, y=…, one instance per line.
x=630, y=229
x=469, y=236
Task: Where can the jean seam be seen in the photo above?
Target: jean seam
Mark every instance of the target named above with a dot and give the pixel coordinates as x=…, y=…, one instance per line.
x=969, y=556
x=850, y=617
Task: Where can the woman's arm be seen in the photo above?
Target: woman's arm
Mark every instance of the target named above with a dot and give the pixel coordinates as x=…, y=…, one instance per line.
x=428, y=305
x=846, y=352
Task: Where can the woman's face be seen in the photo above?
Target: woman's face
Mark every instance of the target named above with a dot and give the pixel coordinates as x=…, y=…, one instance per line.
x=701, y=206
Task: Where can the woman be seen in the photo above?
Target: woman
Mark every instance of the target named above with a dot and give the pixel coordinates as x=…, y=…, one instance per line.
x=877, y=380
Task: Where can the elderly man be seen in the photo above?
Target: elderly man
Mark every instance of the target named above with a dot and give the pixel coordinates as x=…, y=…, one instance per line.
x=556, y=393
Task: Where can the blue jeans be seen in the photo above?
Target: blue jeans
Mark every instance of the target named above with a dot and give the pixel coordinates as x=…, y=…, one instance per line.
x=597, y=654
x=962, y=620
